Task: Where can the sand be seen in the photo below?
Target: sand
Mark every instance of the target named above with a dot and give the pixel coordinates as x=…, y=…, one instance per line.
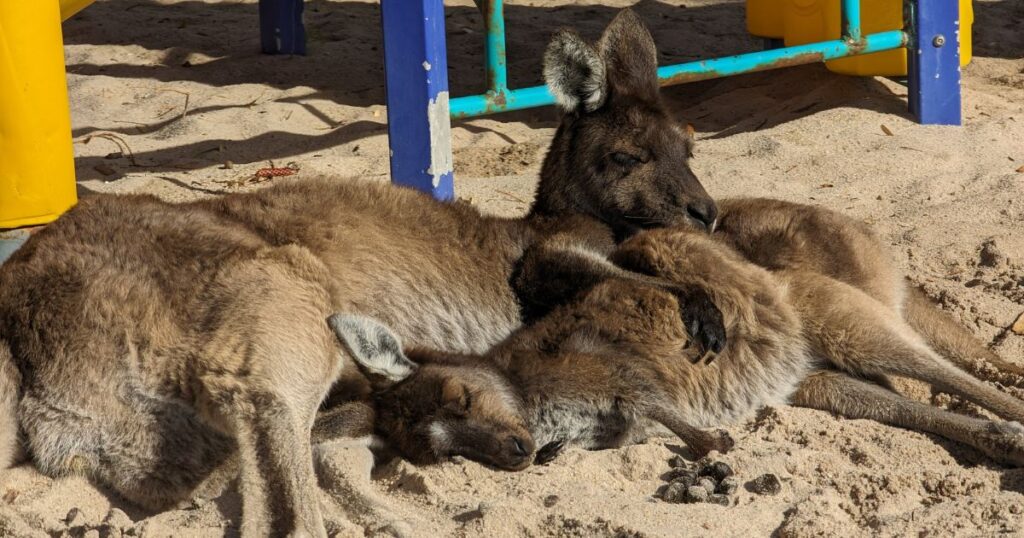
x=949, y=201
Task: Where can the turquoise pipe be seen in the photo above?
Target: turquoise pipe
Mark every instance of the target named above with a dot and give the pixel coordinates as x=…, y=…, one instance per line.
x=504, y=100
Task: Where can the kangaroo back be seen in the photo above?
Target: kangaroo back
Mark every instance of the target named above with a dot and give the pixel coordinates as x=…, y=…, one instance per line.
x=10, y=392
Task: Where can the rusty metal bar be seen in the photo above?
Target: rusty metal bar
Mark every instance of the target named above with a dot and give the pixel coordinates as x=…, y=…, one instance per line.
x=851, y=20
x=494, y=20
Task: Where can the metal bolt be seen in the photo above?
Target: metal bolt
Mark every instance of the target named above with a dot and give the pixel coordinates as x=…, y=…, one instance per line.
x=939, y=40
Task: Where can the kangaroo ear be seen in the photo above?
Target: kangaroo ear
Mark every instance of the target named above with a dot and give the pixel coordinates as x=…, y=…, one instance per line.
x=630, y=58
x=374, y=347
x=575, y=73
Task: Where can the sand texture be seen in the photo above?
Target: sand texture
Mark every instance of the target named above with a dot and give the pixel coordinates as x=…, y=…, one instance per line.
x=949, y=202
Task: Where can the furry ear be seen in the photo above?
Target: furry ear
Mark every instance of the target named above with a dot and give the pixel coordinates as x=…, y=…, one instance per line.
x=629, y=55
x=575, y=73
x=691, y=140
x=374, y=347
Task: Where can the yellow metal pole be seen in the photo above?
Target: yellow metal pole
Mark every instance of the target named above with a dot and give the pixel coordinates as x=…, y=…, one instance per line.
x=37, y=171
x=70, y=7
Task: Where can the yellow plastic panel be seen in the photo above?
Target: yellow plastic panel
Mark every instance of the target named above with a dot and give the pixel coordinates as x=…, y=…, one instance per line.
x=809, y=21
x=37, y=179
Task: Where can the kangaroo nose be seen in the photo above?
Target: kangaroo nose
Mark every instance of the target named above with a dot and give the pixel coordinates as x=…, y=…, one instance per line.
x=518, y=447
x=705, y=213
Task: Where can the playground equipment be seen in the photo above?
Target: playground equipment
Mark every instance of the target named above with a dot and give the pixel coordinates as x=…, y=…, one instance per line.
x=38, y=182
x=797, y=22
x=35, y=142
x=417, y=90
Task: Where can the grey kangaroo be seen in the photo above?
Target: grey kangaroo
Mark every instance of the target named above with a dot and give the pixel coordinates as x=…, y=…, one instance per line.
x=142, y=342
x=613, y=360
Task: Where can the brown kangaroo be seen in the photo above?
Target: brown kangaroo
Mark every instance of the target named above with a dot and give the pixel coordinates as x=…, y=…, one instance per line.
x=595, y=371
x=142, y=341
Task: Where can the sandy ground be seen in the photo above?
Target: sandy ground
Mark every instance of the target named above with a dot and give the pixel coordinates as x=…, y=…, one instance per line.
x=183, y=86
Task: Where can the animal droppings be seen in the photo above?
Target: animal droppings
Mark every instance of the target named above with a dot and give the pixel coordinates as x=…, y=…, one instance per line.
x=728, y=486
x=719, y=470
x=719, y=499
x=766, y=484
x=708, y=484
x=695, y=494
x=674, y=493
x=685, y=477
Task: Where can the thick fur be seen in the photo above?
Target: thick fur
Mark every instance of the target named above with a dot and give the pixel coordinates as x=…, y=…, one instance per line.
x=10, y=392
x=152, y=339
x=628, y=141
x=575, y=73
x=601, y=369
x=869, y=325
x=615, y=365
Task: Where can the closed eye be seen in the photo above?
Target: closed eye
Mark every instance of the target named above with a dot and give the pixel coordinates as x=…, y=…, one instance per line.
x=625, y=160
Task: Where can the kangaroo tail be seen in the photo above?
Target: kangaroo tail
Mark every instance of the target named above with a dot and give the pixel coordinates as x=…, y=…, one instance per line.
x=10, y=392
x=957, y=344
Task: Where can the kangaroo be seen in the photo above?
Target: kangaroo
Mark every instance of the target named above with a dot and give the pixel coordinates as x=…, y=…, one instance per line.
x=143, y=342
x=784, y=235
x=795, y=239
x=609, y=368
x=598, y=369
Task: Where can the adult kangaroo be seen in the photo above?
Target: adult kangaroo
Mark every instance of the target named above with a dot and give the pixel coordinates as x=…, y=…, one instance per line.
x=141, y=341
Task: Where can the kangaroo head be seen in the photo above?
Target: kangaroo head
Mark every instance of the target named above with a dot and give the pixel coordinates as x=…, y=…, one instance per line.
x=618, y=155
x=437, y=405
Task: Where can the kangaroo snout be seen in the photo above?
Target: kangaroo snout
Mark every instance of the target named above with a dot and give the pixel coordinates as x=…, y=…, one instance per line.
x=518, y=452
x=703, y=214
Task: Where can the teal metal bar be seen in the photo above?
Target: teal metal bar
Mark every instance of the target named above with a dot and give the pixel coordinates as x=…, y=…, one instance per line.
x=10, y=241
x=851, y=20
x=494, y=19
x=504, y=101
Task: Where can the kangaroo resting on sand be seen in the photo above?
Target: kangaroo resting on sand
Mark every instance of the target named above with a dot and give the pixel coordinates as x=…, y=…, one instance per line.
x=142, y=342
x=613, y=360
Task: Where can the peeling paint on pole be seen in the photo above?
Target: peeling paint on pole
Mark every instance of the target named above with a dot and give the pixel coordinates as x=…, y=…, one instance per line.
x=440, y=138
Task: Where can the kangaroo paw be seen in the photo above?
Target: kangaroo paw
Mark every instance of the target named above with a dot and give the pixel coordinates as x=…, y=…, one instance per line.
x=717, y=440
x=703, y=322
x=1003, y=442
x=548, y=452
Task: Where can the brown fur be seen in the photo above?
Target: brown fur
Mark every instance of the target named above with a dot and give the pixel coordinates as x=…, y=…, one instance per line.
x=147, y=340
x=879, y=326
x=610, y=367
x=584, y=370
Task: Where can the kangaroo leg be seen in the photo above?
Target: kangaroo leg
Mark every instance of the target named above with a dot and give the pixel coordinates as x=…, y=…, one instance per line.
x=11, y=451
x=957, y=344
x=348, y=421
x=860, y=335
x=264, y=371
x=854, y=398
x=699, y=440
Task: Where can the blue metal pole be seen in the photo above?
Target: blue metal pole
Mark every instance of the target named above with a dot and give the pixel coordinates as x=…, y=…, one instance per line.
x=933, y=62
x=478, y=105
x=851, y=20
x=281, y=29
x=494, y=19
x=416, y=74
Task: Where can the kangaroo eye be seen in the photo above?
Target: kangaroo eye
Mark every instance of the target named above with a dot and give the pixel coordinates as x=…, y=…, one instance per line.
x=625, y=160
